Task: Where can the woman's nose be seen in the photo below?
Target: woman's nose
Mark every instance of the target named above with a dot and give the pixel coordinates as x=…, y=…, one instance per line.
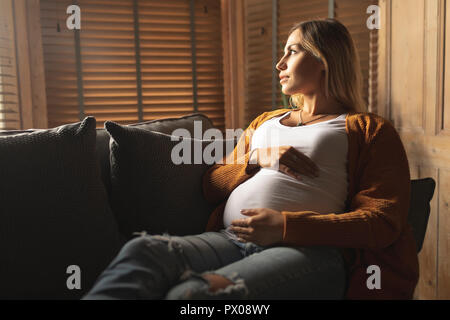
x=281, y=65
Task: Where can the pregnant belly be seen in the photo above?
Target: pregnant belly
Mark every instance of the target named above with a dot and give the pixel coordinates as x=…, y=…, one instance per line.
x=275, y=190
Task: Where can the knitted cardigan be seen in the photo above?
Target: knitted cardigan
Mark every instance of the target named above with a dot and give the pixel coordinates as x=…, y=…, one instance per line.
x=373, y=230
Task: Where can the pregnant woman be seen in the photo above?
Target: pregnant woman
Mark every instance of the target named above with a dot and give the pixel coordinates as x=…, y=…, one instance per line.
x=317, y=201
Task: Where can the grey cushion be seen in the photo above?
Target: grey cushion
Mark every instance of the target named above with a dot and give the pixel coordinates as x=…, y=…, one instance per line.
x=166, y=125
x=54, y=212
x=422, y=191
x=149, y=191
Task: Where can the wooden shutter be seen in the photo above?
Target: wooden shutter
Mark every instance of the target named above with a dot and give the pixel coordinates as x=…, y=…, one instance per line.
x=258, y=25
x=135, y=61
x=166, y=58
x=108, y=60
x=291, y=13
x=353, y=15
x=258, y=66
x=60, y=63
x=9, y=97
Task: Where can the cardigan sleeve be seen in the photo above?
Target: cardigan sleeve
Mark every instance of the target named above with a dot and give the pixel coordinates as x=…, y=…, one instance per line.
x=222, y=178
x=379, y=209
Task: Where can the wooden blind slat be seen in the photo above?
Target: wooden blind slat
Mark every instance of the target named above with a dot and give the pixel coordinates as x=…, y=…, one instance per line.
x=353, y=15
x=59, y=62
x=108, y=59
x=9, y=94
x=258, y=48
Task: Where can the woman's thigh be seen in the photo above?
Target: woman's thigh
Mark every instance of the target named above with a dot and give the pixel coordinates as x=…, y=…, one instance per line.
x=206, y=251
x=149, y=265
x=291, y=273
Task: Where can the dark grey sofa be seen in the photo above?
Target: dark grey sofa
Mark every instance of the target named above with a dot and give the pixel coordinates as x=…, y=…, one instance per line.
x=33, y=264
x=38, y=242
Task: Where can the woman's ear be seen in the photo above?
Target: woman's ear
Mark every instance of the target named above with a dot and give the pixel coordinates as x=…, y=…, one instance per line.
x=322, y=67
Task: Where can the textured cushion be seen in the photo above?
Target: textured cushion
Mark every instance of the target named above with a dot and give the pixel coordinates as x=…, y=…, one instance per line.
x=149, y=191
x=54, y=212
x=422, y=191
x=166, y=125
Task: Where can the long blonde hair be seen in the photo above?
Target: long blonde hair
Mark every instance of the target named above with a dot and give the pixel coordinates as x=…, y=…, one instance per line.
x=330, y=41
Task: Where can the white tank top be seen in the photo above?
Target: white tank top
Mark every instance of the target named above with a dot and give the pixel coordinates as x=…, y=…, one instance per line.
x=325, y=143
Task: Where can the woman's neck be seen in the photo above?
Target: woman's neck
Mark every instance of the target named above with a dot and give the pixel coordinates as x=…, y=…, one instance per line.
x=318, y=105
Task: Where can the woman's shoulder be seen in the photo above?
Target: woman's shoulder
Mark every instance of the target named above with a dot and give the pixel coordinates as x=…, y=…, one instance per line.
x=366, y=116
x=273, y=113
x=368, y=127
x=367, y=122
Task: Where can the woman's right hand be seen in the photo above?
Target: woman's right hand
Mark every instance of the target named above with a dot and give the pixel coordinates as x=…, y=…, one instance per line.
x=289, y=160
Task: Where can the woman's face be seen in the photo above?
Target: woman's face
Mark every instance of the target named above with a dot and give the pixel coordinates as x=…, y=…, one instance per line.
x=303, y=72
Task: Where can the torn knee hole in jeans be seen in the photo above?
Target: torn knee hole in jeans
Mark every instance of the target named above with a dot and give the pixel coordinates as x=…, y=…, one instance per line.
x=165, y=237
x=237, y=287
x=172, y=246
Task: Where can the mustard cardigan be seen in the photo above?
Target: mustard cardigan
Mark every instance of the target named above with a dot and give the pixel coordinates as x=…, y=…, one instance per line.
x=373, y=230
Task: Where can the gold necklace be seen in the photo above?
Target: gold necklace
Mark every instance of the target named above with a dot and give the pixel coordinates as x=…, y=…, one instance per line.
x=301, y=123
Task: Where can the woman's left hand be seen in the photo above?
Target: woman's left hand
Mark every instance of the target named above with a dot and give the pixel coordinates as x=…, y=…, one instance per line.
x=263, y=227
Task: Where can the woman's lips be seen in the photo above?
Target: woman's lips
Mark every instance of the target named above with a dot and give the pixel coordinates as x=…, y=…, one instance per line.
x=283, y=79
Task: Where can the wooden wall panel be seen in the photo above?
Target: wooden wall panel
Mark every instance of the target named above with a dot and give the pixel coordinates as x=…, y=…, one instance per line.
x=445, y=119
x=443, y=129
x=415, y=67
x=407, y=57
x=443, y=279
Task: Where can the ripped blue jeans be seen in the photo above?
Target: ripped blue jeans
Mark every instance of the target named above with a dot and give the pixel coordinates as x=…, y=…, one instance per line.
x=171, y=267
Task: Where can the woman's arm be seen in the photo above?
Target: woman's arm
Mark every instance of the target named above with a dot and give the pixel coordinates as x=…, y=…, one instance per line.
x=379, y=208
x=221, y=179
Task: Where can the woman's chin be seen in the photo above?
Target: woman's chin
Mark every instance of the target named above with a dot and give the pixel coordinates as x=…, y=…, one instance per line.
x=289, y=92
x=286, y=91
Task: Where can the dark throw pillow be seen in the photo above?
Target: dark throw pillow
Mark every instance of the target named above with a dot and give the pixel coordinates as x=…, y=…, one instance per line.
x=55, y=220
x=153, y=193
x=422, y=191
x=165, y=125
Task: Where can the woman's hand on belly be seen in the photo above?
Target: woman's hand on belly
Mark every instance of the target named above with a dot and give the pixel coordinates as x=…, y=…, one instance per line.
x=285, y=159
x=263, y=226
